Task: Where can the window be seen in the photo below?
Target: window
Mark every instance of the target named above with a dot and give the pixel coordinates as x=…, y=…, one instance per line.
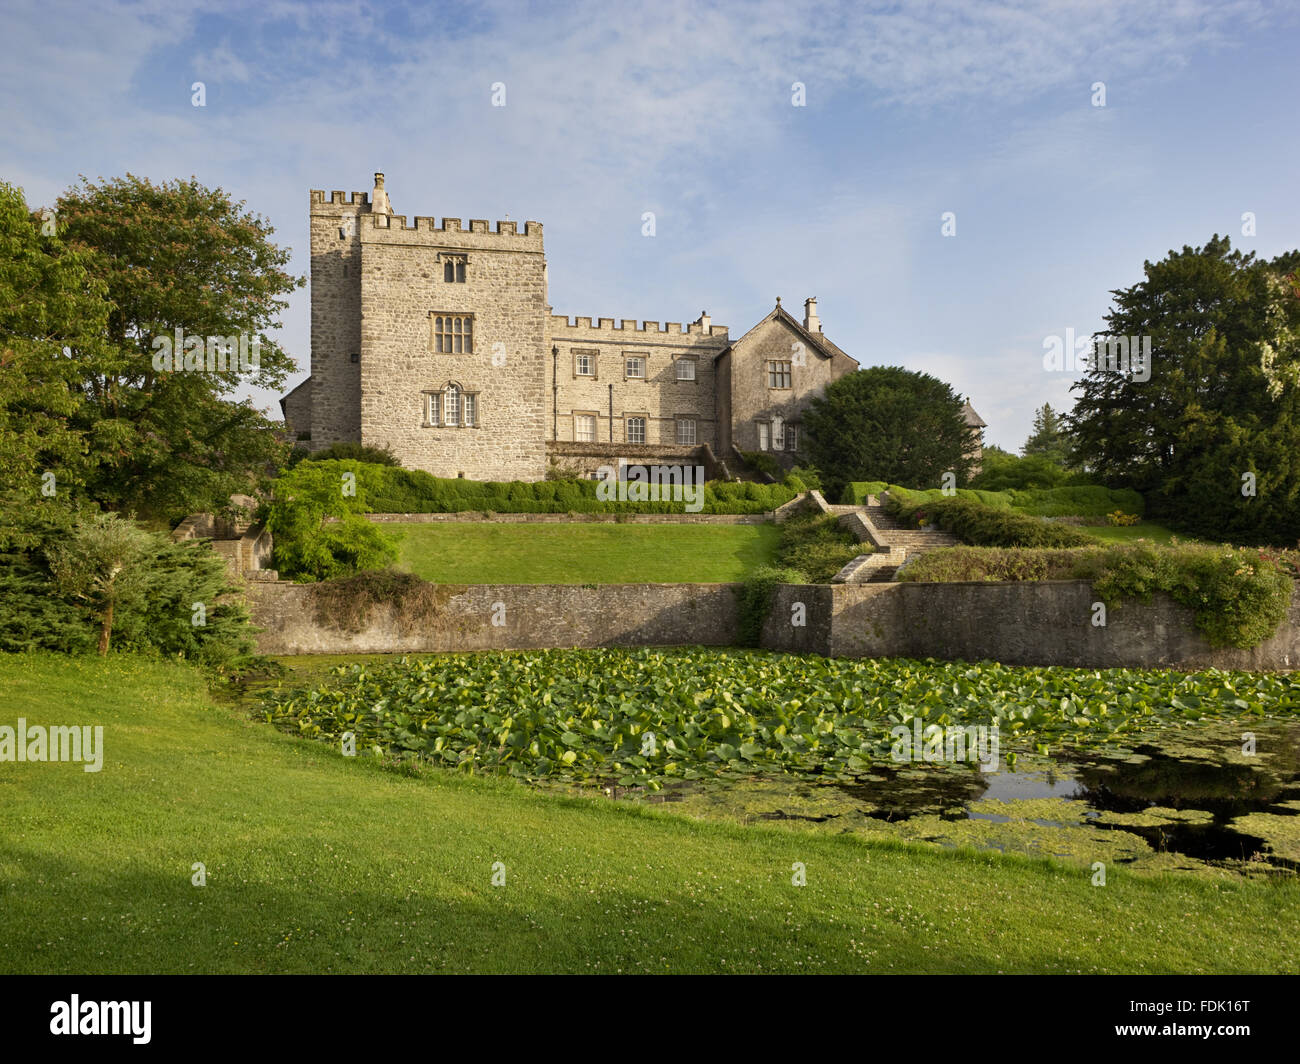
x=762, y=436
x=453, y=269
x=636, y=430
x=453, y=334
x=584, y=364
x=686, y=369
x=584, y=428
x=778, y=374
x=778, y=435
x=686, y=431
x=634, y=368
x=355, y=356
x=452, y=407
x=792, y=437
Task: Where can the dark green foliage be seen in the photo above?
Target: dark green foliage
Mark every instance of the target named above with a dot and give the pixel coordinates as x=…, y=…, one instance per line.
x=358, y=452
x=756, y=597
x=1049, y=439
x=888, y=423
x=817, y=546
x=982, y=525
x=1239, y=596
x=390, y=489
x=763, y=462
x=155, y=617
x=1223, y=398
x=1002, y=471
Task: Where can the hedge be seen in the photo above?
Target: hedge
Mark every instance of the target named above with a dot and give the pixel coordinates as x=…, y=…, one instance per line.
x=981, y=525
x=391, y=489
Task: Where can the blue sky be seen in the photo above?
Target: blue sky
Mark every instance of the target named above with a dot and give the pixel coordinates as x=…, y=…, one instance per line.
x=685, y=109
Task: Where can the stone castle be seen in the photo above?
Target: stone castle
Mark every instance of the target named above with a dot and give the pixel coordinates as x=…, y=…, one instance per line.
x=438, y=342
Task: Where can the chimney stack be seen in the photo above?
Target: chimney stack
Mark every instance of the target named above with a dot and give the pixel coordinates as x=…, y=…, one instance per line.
x=810, y=320
x=705, y=322
x=379, y=198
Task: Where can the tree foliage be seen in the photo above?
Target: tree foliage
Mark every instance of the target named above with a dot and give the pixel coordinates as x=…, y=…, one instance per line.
x=1049, y=439
x=1222, y=401
x=888, y=423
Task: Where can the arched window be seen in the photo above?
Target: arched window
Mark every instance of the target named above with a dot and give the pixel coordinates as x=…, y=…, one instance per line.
x=451, y=404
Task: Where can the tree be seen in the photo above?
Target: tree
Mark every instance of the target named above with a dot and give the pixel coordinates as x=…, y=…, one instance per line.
x=53, y=320
x=102, y=564
x=1211, y=435
x=178, y=261
x=1049, y=438
x=892, y=424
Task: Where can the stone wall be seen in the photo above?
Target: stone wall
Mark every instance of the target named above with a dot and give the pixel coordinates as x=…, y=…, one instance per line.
x=402, y=288
x=335, y=388
x=659, y=396
x=535, y=616
x=752, y=400
x=1047, y=623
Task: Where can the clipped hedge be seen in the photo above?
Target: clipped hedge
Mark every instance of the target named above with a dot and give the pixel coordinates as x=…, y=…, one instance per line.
x=391, y=489
x=979, y=524
x=1089, y=500
x=1239, y=595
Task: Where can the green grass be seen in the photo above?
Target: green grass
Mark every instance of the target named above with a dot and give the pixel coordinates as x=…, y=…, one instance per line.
x=320, y=863
x=1128, y=533
x=577, y=553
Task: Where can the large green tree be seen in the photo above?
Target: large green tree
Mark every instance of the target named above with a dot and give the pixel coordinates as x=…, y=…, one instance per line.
x=53, y=322
x=1212, y=434
x=892, y=424
x=177, y=256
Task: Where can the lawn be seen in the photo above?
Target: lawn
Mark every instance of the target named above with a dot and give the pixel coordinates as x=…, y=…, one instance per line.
x=1128, y=533
x=316, y=862
x=580, y=553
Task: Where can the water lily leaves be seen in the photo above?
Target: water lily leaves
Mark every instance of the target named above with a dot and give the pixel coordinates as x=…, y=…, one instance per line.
x=719, y=712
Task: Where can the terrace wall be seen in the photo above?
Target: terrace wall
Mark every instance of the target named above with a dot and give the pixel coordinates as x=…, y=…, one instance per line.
x=1047, y=623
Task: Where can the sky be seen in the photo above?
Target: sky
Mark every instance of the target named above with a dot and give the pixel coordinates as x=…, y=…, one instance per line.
x=909, y=112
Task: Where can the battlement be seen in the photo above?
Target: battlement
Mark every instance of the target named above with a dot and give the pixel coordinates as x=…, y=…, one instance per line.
x=423, y=224
x=614, y=328
x=359, y=199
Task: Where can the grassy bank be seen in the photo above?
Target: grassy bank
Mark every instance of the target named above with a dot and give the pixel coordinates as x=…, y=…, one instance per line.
x=319, y=863
x=463, y=553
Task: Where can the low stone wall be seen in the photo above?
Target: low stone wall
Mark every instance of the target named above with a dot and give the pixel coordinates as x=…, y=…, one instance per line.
x=526, y=616
x=567, y=519
x=1046, y=623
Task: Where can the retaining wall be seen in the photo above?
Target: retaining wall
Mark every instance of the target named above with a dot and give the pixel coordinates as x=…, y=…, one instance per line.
x=1044, y=623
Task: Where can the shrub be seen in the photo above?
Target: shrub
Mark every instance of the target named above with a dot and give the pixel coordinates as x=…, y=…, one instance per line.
x=979, y=524
x=306, y=546
x=358, y=452
x=347, y=604
x=817, y=546
x=757, y=594
x=763, y=463
x=156, y=613
x=391, y=489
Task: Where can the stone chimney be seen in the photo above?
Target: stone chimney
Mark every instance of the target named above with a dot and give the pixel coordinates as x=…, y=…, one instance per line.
x=379, y=198
x=810, y=320
x=705, y=322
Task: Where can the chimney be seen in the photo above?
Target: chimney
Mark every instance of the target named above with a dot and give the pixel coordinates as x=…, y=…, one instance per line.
x=379, y=198
x=705, y=322
x=810, y=320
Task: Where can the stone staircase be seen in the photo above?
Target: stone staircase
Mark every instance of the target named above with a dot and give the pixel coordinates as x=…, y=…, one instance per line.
x=894, y=541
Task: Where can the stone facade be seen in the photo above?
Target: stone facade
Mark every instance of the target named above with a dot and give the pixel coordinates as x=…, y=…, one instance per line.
x=438, y=342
